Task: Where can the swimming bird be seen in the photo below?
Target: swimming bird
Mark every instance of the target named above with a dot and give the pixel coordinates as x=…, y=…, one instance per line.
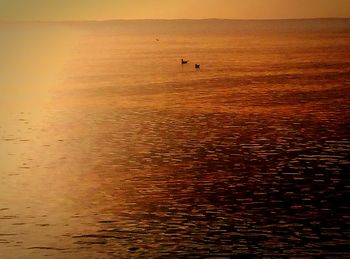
x=197, y=66
x=184, y=61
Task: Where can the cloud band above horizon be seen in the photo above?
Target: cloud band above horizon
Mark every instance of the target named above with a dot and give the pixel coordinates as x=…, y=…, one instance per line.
x=58, y=10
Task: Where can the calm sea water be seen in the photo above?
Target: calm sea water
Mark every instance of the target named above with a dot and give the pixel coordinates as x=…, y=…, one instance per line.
x=110, y=148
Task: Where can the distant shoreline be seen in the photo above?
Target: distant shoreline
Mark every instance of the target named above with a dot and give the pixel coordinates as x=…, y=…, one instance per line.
x=186, y=20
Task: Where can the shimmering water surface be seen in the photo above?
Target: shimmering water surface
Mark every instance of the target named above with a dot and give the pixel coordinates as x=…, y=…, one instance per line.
x=109, y=147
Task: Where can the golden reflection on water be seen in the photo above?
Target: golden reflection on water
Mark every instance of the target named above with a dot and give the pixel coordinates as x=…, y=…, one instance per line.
x=33, y=58
x=112, y=147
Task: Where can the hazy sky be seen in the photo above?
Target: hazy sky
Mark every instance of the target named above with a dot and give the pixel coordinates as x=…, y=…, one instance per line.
x=170, y=9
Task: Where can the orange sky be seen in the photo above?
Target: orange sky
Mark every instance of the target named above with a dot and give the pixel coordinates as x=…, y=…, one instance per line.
x=170, y=9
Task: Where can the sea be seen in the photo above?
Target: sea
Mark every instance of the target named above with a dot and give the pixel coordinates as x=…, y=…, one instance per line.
x=111, y=148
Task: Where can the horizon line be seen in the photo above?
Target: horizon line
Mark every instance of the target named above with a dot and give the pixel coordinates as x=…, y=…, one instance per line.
x=174, y=19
